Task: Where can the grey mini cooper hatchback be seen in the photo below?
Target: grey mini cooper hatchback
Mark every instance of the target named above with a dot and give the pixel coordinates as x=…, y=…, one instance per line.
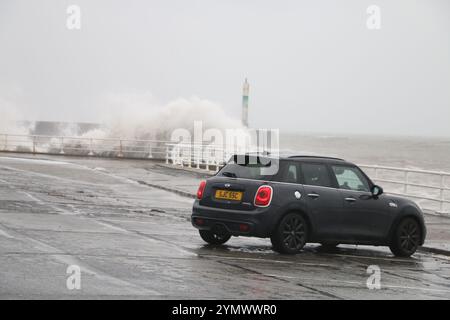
x=302, y=199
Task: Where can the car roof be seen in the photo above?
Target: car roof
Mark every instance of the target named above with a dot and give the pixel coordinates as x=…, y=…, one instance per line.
x=309, y=158
x=320, y=159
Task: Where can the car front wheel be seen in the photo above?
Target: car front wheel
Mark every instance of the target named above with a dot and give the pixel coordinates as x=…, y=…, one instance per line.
x=290, y=235
x=214, y=238
x=406, y=238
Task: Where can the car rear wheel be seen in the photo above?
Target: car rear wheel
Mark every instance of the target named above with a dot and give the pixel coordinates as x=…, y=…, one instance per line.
x=214, y=238
x=290, y=235
x=406, y=238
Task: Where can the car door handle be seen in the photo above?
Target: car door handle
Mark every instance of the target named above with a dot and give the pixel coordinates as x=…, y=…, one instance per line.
x=313, y=195
x=350, y=199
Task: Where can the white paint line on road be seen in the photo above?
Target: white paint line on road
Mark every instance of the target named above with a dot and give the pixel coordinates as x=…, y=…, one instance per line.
x=6, y=235
x=415, y=288
x=317, y=279
x=43, y=161
x=33, y=198
x=48, y=176
x=147, y=237
x=71, y=260
x=393, y=259
x=112, y=227
x=5, y=182
x=362, y=284
x=292, y=262
x=68, y=260
x=101, y=171
x=265, y=260
x=21, y=191
x=55, y=208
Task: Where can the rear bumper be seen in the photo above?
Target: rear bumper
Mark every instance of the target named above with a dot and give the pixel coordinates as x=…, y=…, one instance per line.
x=259, y=221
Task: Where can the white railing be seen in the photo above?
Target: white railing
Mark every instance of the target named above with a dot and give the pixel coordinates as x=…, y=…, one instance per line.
x=196, y=156
x=204, y=156
x=430, y=189
x=84, y=146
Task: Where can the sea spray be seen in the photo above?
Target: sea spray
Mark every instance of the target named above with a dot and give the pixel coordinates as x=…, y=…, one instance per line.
x=140, y=117
x=11, y=119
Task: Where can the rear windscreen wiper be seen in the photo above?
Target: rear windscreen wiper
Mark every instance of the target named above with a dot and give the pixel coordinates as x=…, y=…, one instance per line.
x=229, y=174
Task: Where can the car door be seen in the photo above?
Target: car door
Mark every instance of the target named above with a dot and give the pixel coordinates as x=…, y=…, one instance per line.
x=290, y=192
x=364, y=217
x=323, y=201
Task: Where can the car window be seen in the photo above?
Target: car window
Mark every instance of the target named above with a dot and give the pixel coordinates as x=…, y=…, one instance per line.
x=291, y=174
x=350, y=178
x=243, y=171
x=316, y=175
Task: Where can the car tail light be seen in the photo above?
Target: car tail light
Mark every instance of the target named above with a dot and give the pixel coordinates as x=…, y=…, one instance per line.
x=200, y=190
x=199, y=221
x=244, y=227
x=263, y=196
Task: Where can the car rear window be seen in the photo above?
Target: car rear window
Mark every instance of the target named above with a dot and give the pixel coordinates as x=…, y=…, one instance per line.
x=255, y=172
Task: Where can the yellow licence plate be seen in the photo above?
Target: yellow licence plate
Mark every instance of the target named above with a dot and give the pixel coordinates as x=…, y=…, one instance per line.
x=228, y=195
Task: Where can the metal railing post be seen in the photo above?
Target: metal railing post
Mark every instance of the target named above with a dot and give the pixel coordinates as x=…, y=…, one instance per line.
x=189, y=155
x=150, y=151
x=167, y=154
x=62, y=146
x=197, y=154
x=441, y=205
x=175, y=154
x=34, y=144
x=180, y=156
x=405, y=187
x=90, y=148
x=120, y=154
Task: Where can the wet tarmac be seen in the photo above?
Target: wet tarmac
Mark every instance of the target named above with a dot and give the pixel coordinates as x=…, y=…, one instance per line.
x=135, y=241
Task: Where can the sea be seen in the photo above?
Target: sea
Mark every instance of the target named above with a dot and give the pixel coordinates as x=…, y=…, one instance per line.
x=427, y=153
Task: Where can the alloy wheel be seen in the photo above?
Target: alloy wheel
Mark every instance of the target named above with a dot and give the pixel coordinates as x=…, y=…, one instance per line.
x=409, y=236
x=294, y=233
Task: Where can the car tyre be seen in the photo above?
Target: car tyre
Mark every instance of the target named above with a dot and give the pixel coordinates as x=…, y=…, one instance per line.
x=290, y=235
x=406, y=238
x=214, y=238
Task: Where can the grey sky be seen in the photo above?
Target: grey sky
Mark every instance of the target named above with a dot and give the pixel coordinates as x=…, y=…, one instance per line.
x=312, y=65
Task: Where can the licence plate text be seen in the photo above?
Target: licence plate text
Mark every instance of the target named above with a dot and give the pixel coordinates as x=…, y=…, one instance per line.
x=228, y=195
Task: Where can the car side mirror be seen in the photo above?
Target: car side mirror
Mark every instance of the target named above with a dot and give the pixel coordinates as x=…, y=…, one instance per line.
x=377, y=191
